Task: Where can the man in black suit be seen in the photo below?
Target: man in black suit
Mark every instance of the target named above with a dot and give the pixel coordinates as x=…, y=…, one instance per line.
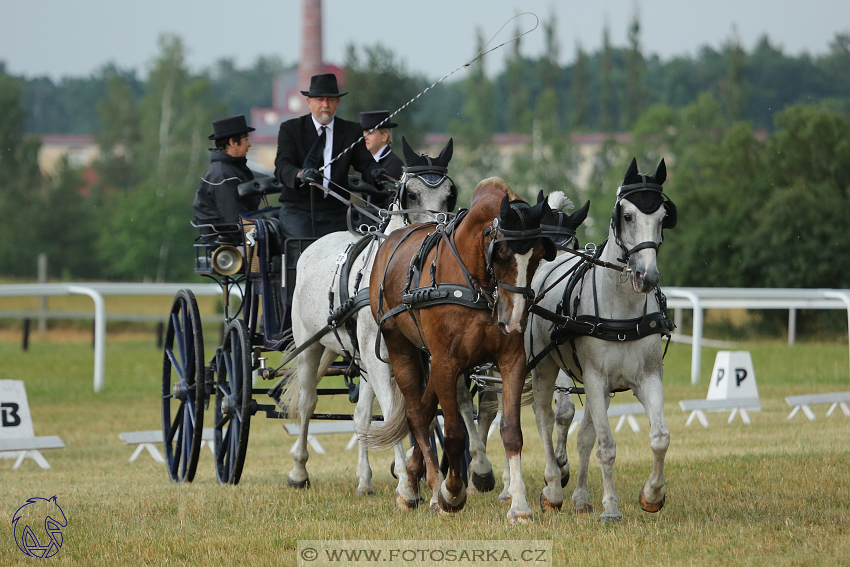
x=304, y=145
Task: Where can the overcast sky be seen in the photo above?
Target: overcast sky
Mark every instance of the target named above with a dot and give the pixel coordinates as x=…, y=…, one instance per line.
x=60, y=38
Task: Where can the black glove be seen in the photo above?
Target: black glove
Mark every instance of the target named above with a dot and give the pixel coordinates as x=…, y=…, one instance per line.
x=379, y=172
x=311, y=175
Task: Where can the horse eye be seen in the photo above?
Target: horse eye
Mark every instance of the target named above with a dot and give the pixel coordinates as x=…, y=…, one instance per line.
x=627, y=217
x=413, y=197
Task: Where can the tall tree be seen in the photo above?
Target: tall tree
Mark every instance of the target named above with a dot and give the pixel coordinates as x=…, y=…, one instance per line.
x=149, y=231
x=733, y=86
x=606, y=89
x=634, y=92
x=519, y=107
x=580, y=113
x=377, y=80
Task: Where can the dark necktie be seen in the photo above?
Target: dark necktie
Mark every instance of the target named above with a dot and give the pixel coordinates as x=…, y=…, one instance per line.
x=323, y=138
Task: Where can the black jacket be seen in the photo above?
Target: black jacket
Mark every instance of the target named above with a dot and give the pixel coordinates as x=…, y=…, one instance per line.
x=294, y=141
x=217, y=200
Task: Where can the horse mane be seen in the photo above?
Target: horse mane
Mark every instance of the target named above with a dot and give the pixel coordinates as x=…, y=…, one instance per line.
x=496, y=183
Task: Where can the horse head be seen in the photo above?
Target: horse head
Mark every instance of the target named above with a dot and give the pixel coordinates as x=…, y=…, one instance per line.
x=641, y=213
x=559, y=226
x=425, y=183
x=516, y=246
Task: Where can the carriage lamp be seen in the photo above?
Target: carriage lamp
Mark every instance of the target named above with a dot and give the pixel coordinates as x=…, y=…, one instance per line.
x=227, y=260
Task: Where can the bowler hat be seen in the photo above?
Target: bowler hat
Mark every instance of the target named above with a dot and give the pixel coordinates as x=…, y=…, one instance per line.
x=323, y=85
x=229, y=127
x=371, y=119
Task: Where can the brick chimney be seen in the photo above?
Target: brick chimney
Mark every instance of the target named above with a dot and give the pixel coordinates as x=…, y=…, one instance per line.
x=311, y=43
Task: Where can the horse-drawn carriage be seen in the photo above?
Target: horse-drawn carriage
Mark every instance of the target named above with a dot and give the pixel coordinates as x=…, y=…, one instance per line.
x=499, y=250
x=246, y=259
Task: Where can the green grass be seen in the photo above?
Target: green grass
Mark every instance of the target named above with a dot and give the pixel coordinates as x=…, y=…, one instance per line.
x=771, y=493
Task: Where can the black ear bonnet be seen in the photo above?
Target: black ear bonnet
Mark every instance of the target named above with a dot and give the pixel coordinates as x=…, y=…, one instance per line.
x=431, y=172
x=646, y=193
x=561, y=227
x=519, y=224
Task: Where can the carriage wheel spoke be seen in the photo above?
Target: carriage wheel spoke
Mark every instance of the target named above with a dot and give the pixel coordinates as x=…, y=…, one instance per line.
x=174, y=424
x=175, y=363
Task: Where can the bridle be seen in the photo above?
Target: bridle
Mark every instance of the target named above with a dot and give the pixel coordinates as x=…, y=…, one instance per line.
x=623, y=192
x=498, y=234
x=432, y=176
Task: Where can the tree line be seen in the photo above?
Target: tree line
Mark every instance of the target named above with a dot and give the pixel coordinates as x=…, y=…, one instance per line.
x=757, y=146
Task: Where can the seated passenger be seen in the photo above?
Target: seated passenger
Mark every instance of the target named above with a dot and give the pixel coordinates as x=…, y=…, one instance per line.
x=217, y=200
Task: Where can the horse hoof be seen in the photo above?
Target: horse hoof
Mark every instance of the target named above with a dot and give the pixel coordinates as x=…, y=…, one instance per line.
x=484, y=482
x=651, y=507
x=565, y=479
x=584, y=509
x=547, y=505
x=505, y=498
x=450, y=508
x=365, y=492
x=406, y=505
x=520, y=517
x=295, y=484
x=606, y=517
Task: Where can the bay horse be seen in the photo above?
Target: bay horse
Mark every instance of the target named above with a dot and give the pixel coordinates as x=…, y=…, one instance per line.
x=345, y=259
x=609, y=317
x=470, y=310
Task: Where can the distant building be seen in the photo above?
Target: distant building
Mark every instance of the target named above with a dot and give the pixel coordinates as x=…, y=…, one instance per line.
x=287, y=100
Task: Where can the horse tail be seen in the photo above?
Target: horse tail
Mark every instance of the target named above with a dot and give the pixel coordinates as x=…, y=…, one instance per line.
x=395, y=427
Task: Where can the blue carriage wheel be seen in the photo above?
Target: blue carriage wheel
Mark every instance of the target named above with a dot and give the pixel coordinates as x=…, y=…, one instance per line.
x=233, y=403
x=183, y=388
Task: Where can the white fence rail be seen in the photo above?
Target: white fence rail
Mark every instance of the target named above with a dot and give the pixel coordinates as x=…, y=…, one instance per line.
x=698, y=299
x=96, y=291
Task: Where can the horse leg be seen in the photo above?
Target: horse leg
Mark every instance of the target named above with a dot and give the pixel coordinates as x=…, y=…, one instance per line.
x=480, y=470
x=543, y=383
x=586, y=437
x=513, y=378
x=505, y=495
x=421, y=407
x=565, y=411
x=606, y=447
x=443, y=380
x=308, y=365
x=362, y=421
x=651, y=395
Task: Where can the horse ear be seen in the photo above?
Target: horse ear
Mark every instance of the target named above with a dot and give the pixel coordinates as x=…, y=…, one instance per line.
x=504, y=208
x=540, y=197
x=661, y=172
x=446, y=155
x=579, y=216
x=631, y=172
x=410, y=157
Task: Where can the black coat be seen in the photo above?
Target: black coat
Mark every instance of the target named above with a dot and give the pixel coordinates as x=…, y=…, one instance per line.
x=217, y=200
x=294, y=141
x=393, y=164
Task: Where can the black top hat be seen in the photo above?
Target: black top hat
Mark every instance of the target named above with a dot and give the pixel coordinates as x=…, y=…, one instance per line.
x=371, y=119
x=323, y=85
x=229, y=127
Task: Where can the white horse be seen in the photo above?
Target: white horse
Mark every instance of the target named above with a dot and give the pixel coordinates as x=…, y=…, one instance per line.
x=608, y=334
x=424, y=187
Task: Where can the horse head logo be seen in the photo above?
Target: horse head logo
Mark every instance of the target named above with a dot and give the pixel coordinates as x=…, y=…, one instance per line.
x=39, y=513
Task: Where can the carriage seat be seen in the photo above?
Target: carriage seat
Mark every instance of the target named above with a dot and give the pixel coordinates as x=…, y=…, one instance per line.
x=269, y=219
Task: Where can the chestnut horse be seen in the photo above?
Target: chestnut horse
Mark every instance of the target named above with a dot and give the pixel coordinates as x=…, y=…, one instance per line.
x=473, y=312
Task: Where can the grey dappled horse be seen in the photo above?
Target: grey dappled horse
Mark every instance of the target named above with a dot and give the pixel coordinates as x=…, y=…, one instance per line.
x=608, y=296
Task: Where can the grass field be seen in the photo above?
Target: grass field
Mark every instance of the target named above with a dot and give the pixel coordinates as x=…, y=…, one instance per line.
x=771, y=493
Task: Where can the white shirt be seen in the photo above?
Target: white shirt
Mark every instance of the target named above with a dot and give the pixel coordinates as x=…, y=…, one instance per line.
x=329, y=145
x=382, y=153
